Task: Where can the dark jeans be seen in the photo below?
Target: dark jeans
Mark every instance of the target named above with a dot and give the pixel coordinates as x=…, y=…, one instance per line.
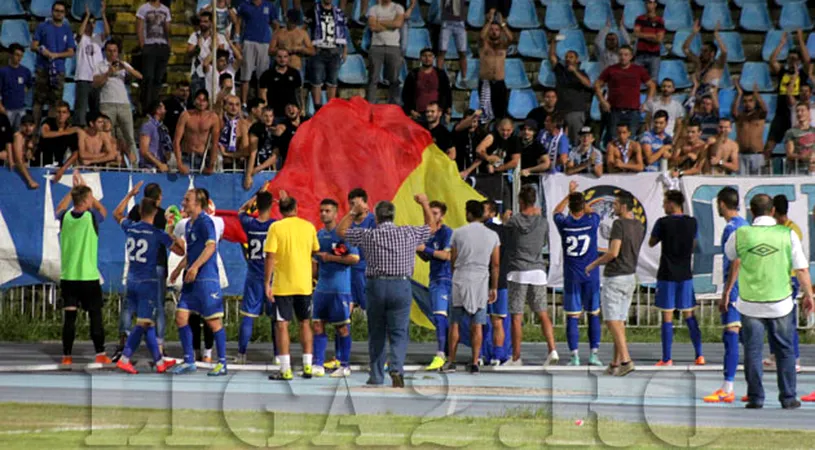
x=499, y=97
x=780, y=336
x=87, y=99
x=617, y=116
x=389, y=304
x=154, y=67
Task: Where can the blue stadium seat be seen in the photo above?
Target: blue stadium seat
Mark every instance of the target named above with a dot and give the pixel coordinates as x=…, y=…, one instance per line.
x=771, y=40
x=29, y=60
x=434, y=12
x=755, y=17
x=596, y=14
x=560, y=15
x=418, y=38
x=78, y=8
x=475, y=14
x=735, y=49
x=573, y=40
x=69, y=94
x=679, y=39
x=592, y=69
x=202, y=4
x=811, y=45
x=15, y=31
x=741, y=3
x=522, y=15
x=771, y=100
x=784, y=2
x=726, y=99
x=546, y=75
x=515, y=74
x=533, y=44
x=470, y=79
x=595, y=112
x=70, y=67
x=704, y=2
x=717, y=11
x=631, y=10
x=353, y=71
x=795, y=16
x=756, y=72
x=416, y=20
x=677, y=15
x=41, y=8
x=674, y=69
x=11, y=8
x=351, y=47
x=475, y=99
x=310, y=110
x=365, y=44
x=357, y=11
x=521, y=101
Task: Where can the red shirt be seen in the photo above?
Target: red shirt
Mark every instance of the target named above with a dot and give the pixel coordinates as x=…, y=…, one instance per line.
x=624, y=85
x=649, y=25
x=427, y=89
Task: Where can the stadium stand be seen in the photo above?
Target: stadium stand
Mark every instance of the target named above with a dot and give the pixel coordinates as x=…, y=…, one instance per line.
x=631, y=10
x=735, y=48
x=15, y=31
x=41, y=8
x=11, y=8
x=418, y=38
x=756, y=73
x=560, y=15
x=717, y=13
x=755, y=17
x=522, y=15
x=597, y=13
x=572, y=40
x=516, y=74
x=521, y=101
x=533, y=44
x=678, y=15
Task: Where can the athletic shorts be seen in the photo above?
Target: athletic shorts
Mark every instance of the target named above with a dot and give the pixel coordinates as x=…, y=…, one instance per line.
x=254, y=301
x=255, y=60
x=673, y=295
x=440, y=296
x=83, y=294
x=453, y=30
x=581, y=296
x=333, y=308
x=287, y=307
x=732, y=318
x=358, y=281
x=202, y=298
x=501, y=306
x=616, y=297
x=142, y=298
x=459, y=313
x=531, y=294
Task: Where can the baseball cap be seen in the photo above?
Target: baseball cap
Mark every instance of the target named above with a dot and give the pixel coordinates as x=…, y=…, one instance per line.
x=531, y=124
x=585, y=130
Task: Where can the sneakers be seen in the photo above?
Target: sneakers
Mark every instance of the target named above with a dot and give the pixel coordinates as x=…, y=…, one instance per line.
x=308, y=372
x=611, y=369
x=700, y=361
x=495, y=362
x=552, y=359
x=746, y=399
x=574, y=361
x=183, y=369
x=436, y=364
x=809, y=398
x=67, y=360
x=397, y=379
x=117, y=354
x=318, y=371
x=473, y=369
x=624, y=369
x=218, y=371
x=282, y=375
x=514, y=362
x=667, y=363
x=126, y=367
x=334, y=364
x=448, y=367
x=720, y=396
x=480, y=361
x=342, y=372
x=165, y=365
x=594, y=360
x=792, y=404
x=103, y=359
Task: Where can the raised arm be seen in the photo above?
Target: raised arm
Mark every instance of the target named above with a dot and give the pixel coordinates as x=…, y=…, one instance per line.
x=119, y=212
x=686, y=46
x=734, y=107
x=562, y=205
x=722, y=46
x=775, y=66
x=805, y=58
x=552, y=50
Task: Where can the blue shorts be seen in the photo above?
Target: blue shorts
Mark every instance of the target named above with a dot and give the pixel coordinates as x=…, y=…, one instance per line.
x=440, y=296
x=673, y=295
x=732, y=318
x=203, y=298
x=331, y=307
x=480, y=316
x=142, y=298
x=581, y=296
x=358, y=281
x=254, y=301
x=796, y=287
x=501, y=306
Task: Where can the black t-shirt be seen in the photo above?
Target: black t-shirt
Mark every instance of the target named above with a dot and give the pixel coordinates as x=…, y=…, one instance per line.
x=56, y=147
x=160, y=223
x=503, y=148
x=6, y=132
x=284, y=140
x=175, y=107
x=539, y=115
x=466, y=144
x=530, y=155
x=676, y=233
x=281, y=88
x=267, y=142
x=442, y=137
x=572, y=96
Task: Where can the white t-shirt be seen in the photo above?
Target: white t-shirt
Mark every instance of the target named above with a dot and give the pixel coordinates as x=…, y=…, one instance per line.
x=174, y=259
x=674, y=109
x=114, y=90
x=154, y=19
x=205, y=45
x=228, y=70
x=388, y=38
x=88, y=56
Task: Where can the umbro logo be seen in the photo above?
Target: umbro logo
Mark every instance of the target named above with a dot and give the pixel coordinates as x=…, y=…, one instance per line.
x=444, y=297
x=215, y=295
x=763, y=250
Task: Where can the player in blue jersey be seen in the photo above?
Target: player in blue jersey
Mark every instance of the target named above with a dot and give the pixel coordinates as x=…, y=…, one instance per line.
x=143, y=244
x=498, y=310
x=677, y=233
x=437, y=251
x=254, y=301
x=332, y=296
x=581, y=291
x=201, y=292
x=728, y=205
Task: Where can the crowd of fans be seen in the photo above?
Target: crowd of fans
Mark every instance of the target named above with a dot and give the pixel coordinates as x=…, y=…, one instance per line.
x=247, y=120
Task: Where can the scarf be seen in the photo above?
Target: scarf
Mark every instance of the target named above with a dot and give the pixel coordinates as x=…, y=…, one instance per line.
x=623, y=150
x=486, y=102
x=165, y=143
x=229, y=134
x=552, y=146
x=454, y=5
x=340, y=27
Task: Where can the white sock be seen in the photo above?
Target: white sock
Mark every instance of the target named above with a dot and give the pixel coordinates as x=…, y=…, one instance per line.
x=285, y=362
x=440, y=354
x=208, y=353
x=125, y=359
x=727, y=386
x=574, y=352
x=594, y=350
x=307, y=359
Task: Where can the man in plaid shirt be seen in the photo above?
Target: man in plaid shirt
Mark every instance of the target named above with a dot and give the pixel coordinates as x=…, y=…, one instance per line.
x=390, y=252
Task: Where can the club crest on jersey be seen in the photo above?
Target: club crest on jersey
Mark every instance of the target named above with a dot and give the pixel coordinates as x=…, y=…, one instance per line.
x=601, y=200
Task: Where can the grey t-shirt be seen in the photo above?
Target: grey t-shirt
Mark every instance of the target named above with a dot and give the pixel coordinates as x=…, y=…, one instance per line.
x=631, y=233
x=388, y=38
x=803, y=140
x=526, y=236
x=474, y=244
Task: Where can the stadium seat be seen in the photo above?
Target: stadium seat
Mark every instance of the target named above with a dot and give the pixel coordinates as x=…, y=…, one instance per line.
x=533, y=44
x=771, y=40
x=726, y=82
x=78, y=8
x=597, y=13
x=202, y=4
x=475, y=100
x=631, y=10
x=594, y=112
x=560, y=15
x=475, y=14
x=592, y=69
x=771, y=100
x=69, y=94
x=679, y=39
x=795, y=16
x=573, y=40
x=15, y=31
x=418, y=38
x=41, y=8
x=546, y=75
x=470, y=79
x=674, y=69
x=735, y=49
x=717, y=11
x=756, y=72
x=521, y=101
x=70, y=67
x=11, y=8
x=351, y=47
x=726, y=99
x=416, y=20
x=741, y=3
x=29, y=60
x=522, y=15
x=755, y=17
x=310, y=110
x=356, y=13
x=515, y=74
x=353, y=71
x=677, y=15
x=365, y=44
x=434, y=12
x=811, y=45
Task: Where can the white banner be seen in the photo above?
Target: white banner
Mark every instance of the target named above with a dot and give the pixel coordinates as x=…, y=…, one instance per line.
x=648, y=193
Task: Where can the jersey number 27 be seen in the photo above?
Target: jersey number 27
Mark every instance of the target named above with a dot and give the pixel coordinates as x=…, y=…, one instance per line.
x=577, y=246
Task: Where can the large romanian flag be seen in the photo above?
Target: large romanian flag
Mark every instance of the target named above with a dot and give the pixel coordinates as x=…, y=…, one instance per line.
x=350, y=144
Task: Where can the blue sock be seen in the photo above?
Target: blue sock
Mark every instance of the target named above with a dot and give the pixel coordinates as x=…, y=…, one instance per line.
x=320, y=343
x=667, y=340
x=152, y=343
x=440, y=321
x=795, y=342
x=345, y=350
x=220, y=342
x=274, y=338
x=572, y=333
x=185, y=336
x=731, y=354
x=595, y=331
x=695, y=334
x=133, y=341
x=245, y=333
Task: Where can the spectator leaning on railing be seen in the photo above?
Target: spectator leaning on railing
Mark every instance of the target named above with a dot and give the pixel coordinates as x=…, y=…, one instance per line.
x=53, y=42
x=15, y=81
x=155, y=141
x=750, y=114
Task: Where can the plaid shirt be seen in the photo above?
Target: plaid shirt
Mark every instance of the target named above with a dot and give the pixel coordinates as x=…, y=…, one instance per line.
x=389, y=250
